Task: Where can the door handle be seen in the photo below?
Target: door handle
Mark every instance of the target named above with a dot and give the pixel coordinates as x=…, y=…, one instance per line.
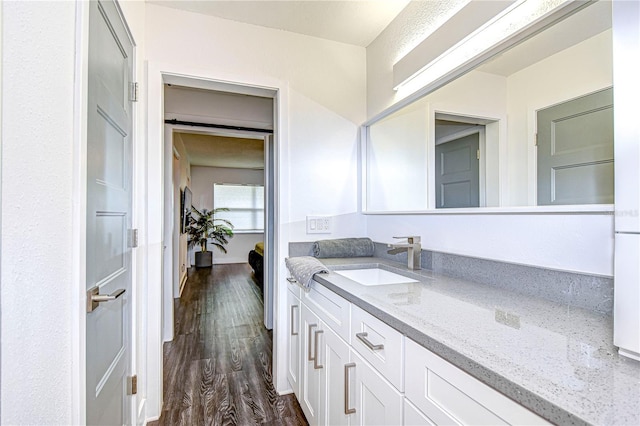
x=94, y=298
x=347, y=389
x=309, y=356
x=363, y=339
x=315, y=358
x=293, y=333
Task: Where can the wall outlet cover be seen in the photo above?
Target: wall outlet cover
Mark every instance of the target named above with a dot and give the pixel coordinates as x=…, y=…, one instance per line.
x=318, y=224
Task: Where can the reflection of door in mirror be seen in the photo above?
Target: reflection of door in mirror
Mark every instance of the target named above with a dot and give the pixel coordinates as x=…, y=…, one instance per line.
x=575, y=151
x=457, y=165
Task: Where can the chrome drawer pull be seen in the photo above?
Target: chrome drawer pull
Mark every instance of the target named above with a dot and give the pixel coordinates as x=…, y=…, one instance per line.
x=363, y=337
x=315, y=358
x=292, y=280
x=347, y=410
x=309, y=356
x=293, y=333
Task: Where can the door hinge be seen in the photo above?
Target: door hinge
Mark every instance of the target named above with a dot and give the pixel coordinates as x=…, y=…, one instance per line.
x=535, y=140
x=132, y=385
x=478, y=154
x=133, y=238
x=133, y=92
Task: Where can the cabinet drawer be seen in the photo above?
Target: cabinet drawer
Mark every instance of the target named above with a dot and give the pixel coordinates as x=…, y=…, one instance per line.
x=332, y=309
x=448, y=395
x=381, y=345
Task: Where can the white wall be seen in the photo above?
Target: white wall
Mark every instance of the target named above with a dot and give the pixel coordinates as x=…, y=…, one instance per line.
x=184, y=103
x=39, y=291
x=582, y=243
x=202, y=180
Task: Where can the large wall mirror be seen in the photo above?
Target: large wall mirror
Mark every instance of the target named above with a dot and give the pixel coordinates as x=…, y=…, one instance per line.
x=532, y=126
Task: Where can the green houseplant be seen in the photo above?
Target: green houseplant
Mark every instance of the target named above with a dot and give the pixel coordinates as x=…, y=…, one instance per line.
x=203, y=227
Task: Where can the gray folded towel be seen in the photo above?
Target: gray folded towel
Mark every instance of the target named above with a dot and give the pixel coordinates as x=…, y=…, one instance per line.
x=344, y=247
x=303, y=268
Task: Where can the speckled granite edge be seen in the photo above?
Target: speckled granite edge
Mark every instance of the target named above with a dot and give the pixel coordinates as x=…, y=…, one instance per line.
x=519, y=394
x=585, y=291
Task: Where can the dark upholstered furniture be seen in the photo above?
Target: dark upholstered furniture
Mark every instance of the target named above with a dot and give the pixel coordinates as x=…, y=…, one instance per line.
x=256, y=260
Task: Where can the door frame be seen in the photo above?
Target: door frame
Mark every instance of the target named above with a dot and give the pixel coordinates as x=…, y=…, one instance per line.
x=493, y=149
x=482, y=165
x=171, y=275
x=157, y=75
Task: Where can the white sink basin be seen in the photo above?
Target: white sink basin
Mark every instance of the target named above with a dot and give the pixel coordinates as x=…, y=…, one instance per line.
x=375, y=276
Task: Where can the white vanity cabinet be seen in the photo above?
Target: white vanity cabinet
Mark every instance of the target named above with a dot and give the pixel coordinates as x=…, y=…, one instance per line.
x=348, y=368
x=336, y=385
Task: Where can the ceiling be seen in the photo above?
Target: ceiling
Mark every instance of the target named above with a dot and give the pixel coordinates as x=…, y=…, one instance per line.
x=223, y=151
x=356, y=22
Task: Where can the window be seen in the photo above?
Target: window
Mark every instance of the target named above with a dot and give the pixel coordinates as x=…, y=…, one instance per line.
x=245, y=204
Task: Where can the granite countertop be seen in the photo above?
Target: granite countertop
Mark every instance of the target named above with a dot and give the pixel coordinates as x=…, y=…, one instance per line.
x=556, y=360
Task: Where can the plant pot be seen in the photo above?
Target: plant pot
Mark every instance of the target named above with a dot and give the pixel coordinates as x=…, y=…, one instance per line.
x=204, y=259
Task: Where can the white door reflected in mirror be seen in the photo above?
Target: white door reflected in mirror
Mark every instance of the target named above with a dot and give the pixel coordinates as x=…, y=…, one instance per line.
x=406, y=169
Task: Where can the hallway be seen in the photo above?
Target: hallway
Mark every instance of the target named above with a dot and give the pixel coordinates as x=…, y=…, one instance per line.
x=217, y=370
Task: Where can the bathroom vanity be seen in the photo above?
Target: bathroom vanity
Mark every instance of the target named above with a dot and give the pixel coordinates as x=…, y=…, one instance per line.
x=441, y=350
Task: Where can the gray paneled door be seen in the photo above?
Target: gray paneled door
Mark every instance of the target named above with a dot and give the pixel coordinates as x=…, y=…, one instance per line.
x=458, y=173
x=109, y=171
x=575, y=151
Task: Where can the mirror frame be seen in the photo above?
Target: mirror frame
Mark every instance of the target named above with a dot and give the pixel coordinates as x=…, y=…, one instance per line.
x=557, y=15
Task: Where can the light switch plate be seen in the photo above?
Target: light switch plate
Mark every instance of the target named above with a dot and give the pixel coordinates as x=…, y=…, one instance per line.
x=318, y=224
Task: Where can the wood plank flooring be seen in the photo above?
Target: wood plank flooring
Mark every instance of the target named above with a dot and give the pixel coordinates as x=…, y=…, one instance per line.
x=217, y=370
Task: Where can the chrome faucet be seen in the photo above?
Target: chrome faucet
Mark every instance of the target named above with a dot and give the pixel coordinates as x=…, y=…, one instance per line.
x=414, y=250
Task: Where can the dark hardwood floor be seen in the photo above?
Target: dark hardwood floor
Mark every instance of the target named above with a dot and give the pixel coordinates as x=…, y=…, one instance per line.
x=217, y=369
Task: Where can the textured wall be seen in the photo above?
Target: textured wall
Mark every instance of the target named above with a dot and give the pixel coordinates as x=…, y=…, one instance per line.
x=38, y=298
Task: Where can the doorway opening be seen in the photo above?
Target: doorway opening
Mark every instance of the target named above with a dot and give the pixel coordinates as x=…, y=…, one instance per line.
x=218, y=139
x=466, y=161
x=159, y=215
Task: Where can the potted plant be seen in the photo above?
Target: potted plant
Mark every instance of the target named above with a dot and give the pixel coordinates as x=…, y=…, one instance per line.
x=204, y=228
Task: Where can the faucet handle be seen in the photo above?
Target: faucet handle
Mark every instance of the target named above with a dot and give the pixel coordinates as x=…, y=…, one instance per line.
x=410, y=239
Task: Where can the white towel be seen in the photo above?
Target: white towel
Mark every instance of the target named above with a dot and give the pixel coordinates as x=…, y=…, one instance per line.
x=303, y=268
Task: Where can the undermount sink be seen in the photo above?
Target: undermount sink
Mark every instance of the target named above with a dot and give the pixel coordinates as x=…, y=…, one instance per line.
x=375, y=276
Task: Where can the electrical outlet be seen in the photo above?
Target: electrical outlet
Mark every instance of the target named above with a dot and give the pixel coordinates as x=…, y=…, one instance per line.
x=318, y=224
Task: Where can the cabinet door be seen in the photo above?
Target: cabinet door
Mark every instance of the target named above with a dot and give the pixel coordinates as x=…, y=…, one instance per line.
x=311, y=373
x=334, y=358
x=293, y=345
x=376, y=401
